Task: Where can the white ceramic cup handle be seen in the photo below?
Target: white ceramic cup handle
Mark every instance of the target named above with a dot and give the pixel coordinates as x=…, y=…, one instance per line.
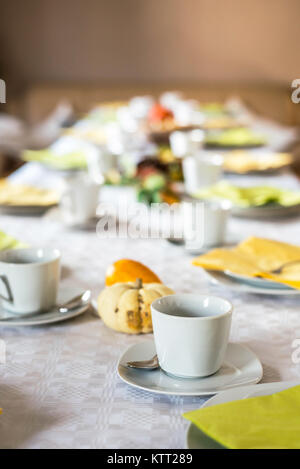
x=9, y=297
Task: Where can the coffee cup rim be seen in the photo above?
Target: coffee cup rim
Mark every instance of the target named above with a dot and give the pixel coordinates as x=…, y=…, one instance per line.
x=214, y=204
x=194, y=318
x=54, y=251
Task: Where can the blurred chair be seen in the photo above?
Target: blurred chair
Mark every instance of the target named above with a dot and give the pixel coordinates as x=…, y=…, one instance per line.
x=8, y=164
x=16, y=135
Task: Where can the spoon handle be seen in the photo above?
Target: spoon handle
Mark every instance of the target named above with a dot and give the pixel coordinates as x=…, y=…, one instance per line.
x=145, y=364
x=73, y=303
x=63, y=308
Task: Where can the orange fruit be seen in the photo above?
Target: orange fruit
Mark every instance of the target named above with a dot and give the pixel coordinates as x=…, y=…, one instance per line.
x=127, y=270
x=159, y=113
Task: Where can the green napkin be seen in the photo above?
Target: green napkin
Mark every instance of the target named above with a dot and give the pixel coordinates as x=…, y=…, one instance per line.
x=268, y=422
x=8, y=242
x=235, y=138
x=73, y=160
x=213, y=109
x=255, y=196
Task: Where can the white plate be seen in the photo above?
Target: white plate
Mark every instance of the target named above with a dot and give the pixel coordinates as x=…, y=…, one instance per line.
x=258, y=282
x=25, y=210
x=266, y=211
x=241, y=366
x=49, y=317
x=222, y=279
x=196, y=439
x=56, y=215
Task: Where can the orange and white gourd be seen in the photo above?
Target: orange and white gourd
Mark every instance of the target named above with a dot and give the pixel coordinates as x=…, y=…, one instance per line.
x=125, y=307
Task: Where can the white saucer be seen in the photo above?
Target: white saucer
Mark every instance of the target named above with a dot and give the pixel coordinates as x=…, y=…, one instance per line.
x=230, y=241
x=258, y=282
x=196, y=439
x=238, y=285
x=40, y=319
x=241, y=366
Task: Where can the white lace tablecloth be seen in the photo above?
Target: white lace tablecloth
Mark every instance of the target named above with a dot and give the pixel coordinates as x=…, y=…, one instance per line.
x=59, y=387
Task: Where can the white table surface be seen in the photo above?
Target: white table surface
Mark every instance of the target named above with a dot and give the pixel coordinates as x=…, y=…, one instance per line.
x=59, y=387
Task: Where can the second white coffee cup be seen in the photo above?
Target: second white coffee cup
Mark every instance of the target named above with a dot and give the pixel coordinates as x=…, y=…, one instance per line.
x=80, y=199
x=205, y=223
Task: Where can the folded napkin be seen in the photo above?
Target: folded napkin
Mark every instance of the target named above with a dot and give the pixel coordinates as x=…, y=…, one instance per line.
x=8, y=242
x=69, y=160
x=256, y=257
x=94, y=135
x=21, y=195
x=255, y=196
x=268, y=422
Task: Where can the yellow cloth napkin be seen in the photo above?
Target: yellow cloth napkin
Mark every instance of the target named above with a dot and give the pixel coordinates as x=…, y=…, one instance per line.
x=73, y=160
x=268, y=422
x=8, y=242
x=242, y=161
x=256, y=257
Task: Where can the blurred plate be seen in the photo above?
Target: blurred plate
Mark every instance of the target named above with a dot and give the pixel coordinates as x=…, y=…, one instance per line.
x=266, y=211
x=25, y=210
x=215, y=146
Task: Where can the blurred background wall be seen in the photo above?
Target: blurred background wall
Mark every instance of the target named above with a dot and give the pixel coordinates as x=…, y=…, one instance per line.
x=151, y=39
x=148, y=41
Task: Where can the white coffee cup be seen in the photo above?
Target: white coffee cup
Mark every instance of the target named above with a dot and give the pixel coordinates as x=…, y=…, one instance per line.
x=205, y=223
x=201, y=170
x=191, y=333
x=140, y=106
x=29, y=279
x=79, y=200
x=100, y=162
x=186, y=143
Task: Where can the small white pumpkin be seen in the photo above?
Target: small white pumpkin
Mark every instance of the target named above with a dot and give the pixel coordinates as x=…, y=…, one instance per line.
x=125, y=307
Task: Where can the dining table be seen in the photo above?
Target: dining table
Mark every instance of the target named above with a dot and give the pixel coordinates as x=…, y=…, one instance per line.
x=59, y=386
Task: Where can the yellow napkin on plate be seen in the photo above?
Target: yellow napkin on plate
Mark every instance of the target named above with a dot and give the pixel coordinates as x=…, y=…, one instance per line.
x=256, y=257
x=73, y=160
x=8, y=242
x=20, y=195
x=267, y=422
x=241, y=161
